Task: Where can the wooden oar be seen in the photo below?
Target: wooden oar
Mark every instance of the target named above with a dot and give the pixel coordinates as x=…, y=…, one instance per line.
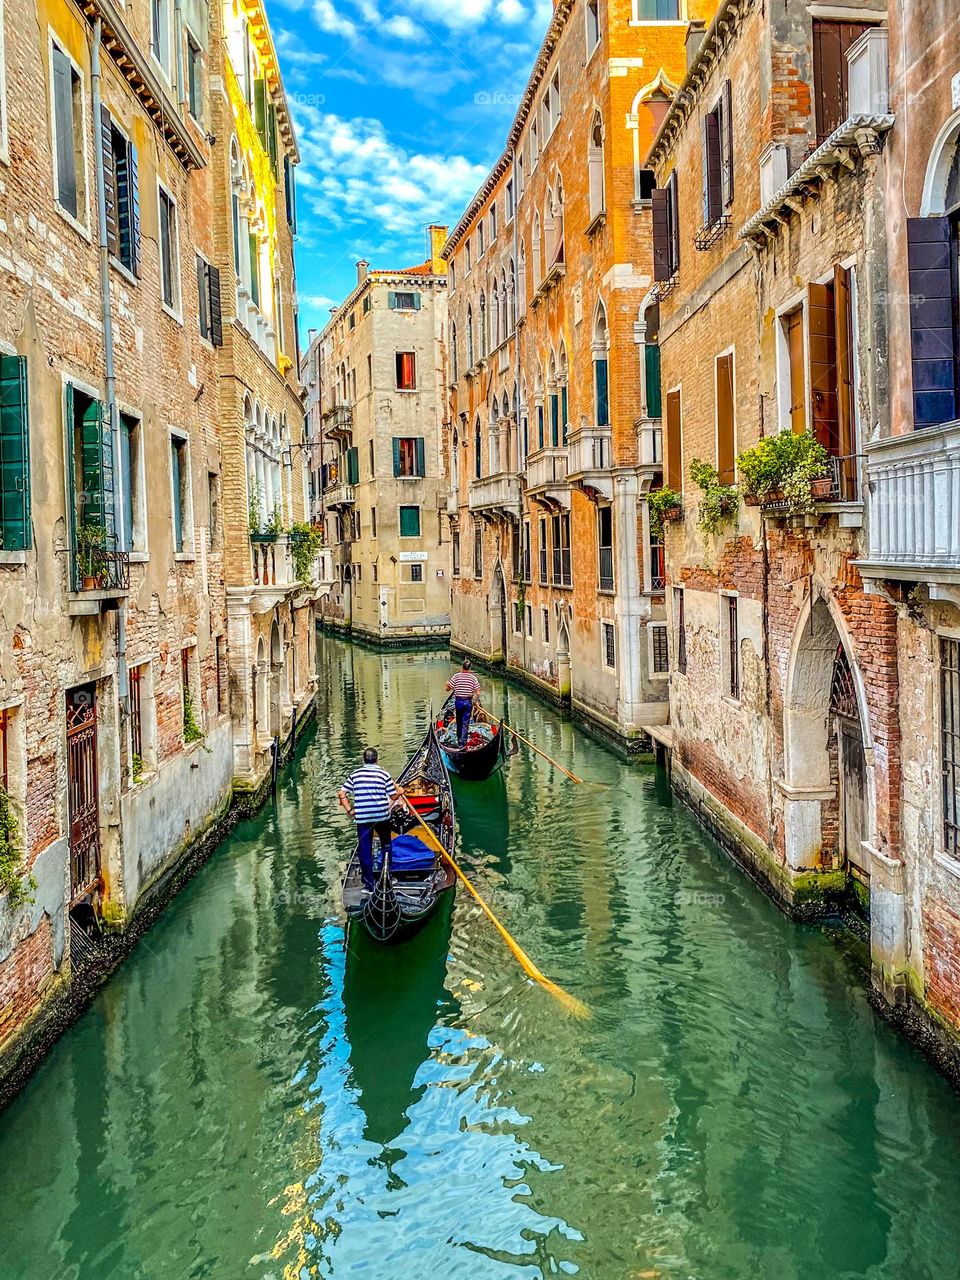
x=569, y=1002
x=572, y=776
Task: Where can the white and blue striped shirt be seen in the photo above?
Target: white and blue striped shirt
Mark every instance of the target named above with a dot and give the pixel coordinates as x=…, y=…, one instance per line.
x=371, y=788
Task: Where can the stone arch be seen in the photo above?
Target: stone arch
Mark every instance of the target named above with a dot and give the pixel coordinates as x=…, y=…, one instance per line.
x=497, y=614
x=941, y=187
x=276, y=674
x=260, y=692
x=812, y=792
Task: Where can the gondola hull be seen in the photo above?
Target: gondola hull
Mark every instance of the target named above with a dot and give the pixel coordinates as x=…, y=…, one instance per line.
x=403, y=900
x=475, y=764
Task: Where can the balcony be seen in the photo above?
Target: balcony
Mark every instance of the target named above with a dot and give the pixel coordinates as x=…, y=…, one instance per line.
x=649, y=452
x=99, y=573
x=547, y=477
x=496, y=495
x=339, y=495
x=453, y=505
x=273, y=569
x=338, y=420
x=913, y=506
x=591, y=460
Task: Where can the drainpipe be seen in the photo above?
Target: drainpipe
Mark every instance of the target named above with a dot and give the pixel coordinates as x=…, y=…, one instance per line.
x=109, y=370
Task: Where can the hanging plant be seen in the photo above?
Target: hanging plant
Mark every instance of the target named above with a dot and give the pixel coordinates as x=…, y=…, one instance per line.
x=305, y=541
x=784, y=468
x=15, y=886
x=664, y=504
x=191, y=729
x=719, y=502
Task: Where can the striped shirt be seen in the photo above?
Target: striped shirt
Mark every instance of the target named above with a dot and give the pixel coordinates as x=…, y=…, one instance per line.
x=371, y=788
x=464, y=684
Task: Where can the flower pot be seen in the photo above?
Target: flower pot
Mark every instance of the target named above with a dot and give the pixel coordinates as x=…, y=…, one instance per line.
x=672, y=514
x=88, y=582
x=751, y=500
x=772, y=497
x=822, y=487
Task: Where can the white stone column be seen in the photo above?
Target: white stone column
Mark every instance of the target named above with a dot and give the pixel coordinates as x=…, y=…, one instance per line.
x=629, y=603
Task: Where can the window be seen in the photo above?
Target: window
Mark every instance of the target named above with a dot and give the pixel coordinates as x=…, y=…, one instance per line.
x=194, y=78
x=416, y=573
x=680, y=624
x=831, y=356
x=731, y=642
x=508, y=198
x=718, y=159
x=208, y=289
x=68, y=154
x=543, y=551
x=136, y=681
x=121, y=191
x=451, y=276
x=658, y=570
x=468, y=254
x=91, y=480
x=529, y=621
x=605, y=546
x=372, y=457
x=169, y=252
x=659, y=650
x=477, y=452
x=406, y=371
x=666, y=231
x=160, y=33
x=545, y=622
x=131, y=484
x=534, y=145
x=180, y=493
x=290, y=195
x=353, y=320
x=213, y=507
x=673, y=442
x=555, y=101
x=477, y=549
x=253, y=251
x=455, y=542
x=793, y=382
x=595, y=168
x=221, y=659
x=950, y=743
x=656, y=10
x=608, y=634
x=373, y=522
x=365, y=306
x=409, y=522
x=592, y=12
x=831, y=40
x=16, y=533
x=726, y=424
x=480, y=244
x=192, y=731
x=493, y=223
x=525, y=552
x=561, y=550
x=408, y=458
x=454, y=371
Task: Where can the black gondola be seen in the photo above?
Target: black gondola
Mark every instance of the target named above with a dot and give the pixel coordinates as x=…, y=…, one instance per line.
x=412, y=879
x=473, y=763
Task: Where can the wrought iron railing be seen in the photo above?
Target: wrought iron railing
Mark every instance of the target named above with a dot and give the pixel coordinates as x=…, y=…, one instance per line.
x=606, y=568
x=97, y=564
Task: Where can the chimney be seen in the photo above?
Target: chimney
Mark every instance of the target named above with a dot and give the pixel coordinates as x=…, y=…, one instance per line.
x=311, y=334
x=438, y=238
x=695, y=33
x=363, y=270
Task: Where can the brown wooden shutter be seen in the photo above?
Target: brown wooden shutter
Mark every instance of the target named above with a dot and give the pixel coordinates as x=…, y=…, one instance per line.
x=673, y=455
x=726, y=145
x=831, y=40
x=843, y=329
x=109, y=181
x=661, y=234
x=823, y=366
x=711, y=168
x=216, y=309
x=726, y=446
x=135, y=209
x=793, y=327
x=932, y=262
x=202, y=297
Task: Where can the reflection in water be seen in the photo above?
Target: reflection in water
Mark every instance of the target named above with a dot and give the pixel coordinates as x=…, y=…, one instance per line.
x=255, y=1095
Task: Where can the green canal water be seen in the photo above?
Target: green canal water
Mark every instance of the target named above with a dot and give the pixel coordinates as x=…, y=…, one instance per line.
x=256, y=1095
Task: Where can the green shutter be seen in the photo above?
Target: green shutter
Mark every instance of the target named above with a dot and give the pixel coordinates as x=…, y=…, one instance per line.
x=254, y=270
x=416, y=302
x=353, y=466
x=564, y=412
x=272, y=148
x=396, y=457
x=652, y=367
x=419, y=449
x=97, y=468
x=15, y=530
x=603, y=399
x=409, y=522
x=260, y=108
x=555, y=421
x=392, y=300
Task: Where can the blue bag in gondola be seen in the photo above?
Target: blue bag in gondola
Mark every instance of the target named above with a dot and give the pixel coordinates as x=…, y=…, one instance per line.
x=407, y=853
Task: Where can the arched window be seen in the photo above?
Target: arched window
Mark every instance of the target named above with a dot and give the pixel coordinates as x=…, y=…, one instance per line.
x=522, y=281
x=477, y=446
x=538, y=398
x=470, y=357
x=935, y=325
x=523, y=426
x=537, y=261
x=512, y=306
x=601, y=388
x=482, y=326
x=557, y=255
x=504, y=309
x=595, y=167
x=495, y=316
x=453, y=351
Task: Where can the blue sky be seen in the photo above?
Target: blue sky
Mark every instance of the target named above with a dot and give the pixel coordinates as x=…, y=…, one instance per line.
x=400, y=110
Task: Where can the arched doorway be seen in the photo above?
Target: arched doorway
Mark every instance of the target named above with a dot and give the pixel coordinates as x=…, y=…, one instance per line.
x=260, y=693
x=276, y=671
x=828, y=784
x=498, y=616
x=564, y=670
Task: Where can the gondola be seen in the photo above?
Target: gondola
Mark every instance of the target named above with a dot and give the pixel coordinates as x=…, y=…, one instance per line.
x=412, y=879
x=478, y=759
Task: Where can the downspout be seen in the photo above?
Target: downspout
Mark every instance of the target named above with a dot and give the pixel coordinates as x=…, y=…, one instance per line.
x=517, y=327
x=109, y=369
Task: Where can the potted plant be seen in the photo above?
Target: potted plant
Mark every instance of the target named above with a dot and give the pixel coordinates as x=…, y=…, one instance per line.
x=274, y=527
x=665, y=505
x=783, y=468
x=719, y=502
x=305, y=541
x=91, y=543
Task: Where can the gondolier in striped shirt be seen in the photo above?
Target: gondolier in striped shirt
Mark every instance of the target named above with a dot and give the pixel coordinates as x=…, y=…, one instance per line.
x=466, y=694
x=369, y=793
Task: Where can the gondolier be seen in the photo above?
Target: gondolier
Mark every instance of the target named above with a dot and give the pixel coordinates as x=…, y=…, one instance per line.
x=369, y=793
x=466, y=693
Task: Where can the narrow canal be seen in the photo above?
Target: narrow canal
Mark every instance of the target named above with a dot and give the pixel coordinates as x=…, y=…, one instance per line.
x=254, y=1097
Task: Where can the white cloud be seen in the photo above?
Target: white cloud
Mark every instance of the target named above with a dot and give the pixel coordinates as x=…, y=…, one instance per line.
x=329, y=18
x=403, y=28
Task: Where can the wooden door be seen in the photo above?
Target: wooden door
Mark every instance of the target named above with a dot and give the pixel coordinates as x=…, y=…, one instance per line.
x=83, y=791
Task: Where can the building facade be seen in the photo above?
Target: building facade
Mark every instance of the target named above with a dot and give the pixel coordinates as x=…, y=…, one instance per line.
x=555, y=409
x=116, y=742
x=379, y=482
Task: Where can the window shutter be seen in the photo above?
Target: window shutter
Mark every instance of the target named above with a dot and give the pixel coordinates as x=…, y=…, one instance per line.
x=204, y=311
x=260, y=107
x=934, y=339
x=725, y=419
x=651, y=358
x=396, y=456
x=216, y=311
x=353, y=466
x=603, y=399
x=419, y=457
x=254, y=269
x=109, y=181
x=135, y=208
x=822, y=340
x=392, y=300
x=63, y=120
x=97, y=464
x=272, y=148
x=416, y=302
x=726, y=145
x=15, y=528
x=673, y=223
x=290, y=192
x=660, y=200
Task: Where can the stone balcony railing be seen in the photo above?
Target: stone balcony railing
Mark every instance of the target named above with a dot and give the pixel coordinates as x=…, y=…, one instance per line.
x=453, y=504
x=913, y=506
x=339, y=495
x=591, y=459
x=500, y=492
x=547, y=476
x=272, y=561
x=339, y=418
